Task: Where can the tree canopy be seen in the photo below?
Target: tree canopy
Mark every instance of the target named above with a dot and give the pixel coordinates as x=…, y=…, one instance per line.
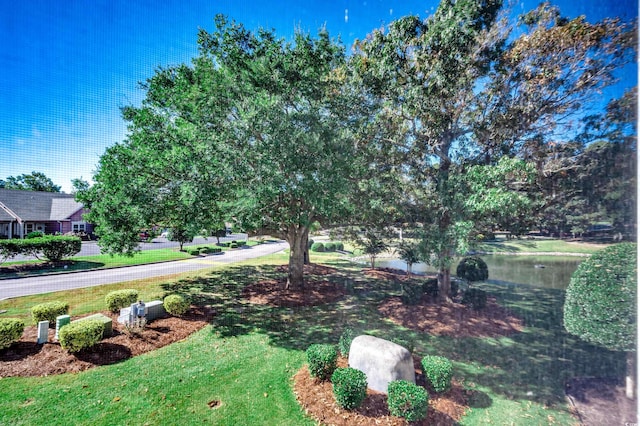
x=34, y=181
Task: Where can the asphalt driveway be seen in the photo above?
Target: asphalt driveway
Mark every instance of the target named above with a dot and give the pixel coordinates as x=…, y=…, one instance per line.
x=66, y=281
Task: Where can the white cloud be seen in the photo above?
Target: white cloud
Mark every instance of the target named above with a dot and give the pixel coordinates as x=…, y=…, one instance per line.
x=346, y=15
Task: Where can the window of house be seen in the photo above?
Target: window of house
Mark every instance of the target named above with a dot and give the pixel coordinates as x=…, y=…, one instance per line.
x=79, y=226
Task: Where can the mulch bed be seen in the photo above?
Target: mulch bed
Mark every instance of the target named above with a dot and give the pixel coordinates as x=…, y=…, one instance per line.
x=598, y=401
x=27, y=358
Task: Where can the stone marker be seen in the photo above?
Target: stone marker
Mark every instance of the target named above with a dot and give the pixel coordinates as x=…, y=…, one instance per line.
x=60, y=321
x=381, y=361
x=43, y=332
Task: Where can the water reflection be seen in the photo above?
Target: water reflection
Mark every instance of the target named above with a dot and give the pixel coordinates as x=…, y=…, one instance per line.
x=539, y=271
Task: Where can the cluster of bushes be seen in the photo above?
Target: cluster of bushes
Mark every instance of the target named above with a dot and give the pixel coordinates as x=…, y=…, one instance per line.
x=329, y=246
x=405, y=399
x=195, y=251
x=52, y=247
x=233, y=244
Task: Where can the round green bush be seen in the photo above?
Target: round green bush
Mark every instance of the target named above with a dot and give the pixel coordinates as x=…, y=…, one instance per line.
x=411, y=293
x=473, y=269
x=476, y=298
x=600, y=302
x=49, y=311
x=330, y=246
x=318, y=247
x=339, y=245
x=322, y=360
x=176, y=305
x=438, y=371
x=79, y=335
x=407, y=400
x=349, y=387
x=344, y=343
x=119, y=299
x=11, y=330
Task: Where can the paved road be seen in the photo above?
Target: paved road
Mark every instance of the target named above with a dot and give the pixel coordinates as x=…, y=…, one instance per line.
x=50, y=283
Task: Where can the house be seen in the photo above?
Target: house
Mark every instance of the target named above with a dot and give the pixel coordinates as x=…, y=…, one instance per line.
x=22, y=212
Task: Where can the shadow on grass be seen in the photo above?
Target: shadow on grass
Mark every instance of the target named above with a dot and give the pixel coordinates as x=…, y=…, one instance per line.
x=533, y=365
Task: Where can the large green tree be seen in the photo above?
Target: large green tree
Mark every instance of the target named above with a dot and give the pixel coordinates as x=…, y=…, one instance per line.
x=458, y=90
x=34, y=181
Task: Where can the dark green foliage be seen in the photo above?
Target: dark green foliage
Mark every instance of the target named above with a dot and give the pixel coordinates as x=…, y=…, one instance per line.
x=48, y=311
x=339, y=245
x=34, y=234
x=407, y=400
x=80, y=335
x=322, y=360
x=412, y=293
x=10, y=331
x=344, y=344
x=438, y=371
x=119, y=299
x=330, y=246
x=310, y=243
x=234, y=245
x=476, y=298
x=318, y=247
x=193, y=251
x=349, y=387
x=600, y=304
x=473, y=269
x=175, y=304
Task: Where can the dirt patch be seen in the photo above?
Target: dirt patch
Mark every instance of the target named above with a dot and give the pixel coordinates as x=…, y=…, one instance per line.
x=316, y=397
x=26, y=358
x=597, y=401
x=318, y=289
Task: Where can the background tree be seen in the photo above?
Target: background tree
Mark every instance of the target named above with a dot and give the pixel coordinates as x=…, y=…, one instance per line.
x=35, y=181
x=600, y=305
x=372, y=244
x=458, y=90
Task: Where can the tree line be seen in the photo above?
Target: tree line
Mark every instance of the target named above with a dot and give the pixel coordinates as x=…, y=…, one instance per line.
x=454, y=125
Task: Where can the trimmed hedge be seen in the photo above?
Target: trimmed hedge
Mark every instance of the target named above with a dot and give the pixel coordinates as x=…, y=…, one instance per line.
x=11, y=330
x=473, y=269
x=119, y=299
x=476, y=298
x=49, y=311
x=600, y=303
x=411, y=293
x=322, y=360
x=175, y=304
x=52, y=247
x=80, y=335
x=318, y=247
x=438, y=371
x=344, y=344
x=407, y=400
x=349, y=387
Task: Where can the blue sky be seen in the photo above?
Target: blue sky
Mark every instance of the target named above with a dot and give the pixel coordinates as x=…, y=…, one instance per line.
x=67, y=67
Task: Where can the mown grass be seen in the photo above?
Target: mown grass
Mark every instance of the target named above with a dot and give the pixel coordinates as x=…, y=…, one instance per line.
x=245, y=359
x=538, y=246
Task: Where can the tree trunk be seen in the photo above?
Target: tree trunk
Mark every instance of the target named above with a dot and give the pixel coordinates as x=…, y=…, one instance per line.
x=444, y=285
x=297, y=238
x=631, y=375
x=307, y=261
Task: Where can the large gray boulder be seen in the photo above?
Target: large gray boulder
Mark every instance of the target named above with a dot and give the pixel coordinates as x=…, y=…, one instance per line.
x=381, y=361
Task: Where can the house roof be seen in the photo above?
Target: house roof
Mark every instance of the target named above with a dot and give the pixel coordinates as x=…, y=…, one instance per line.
x=37, y=206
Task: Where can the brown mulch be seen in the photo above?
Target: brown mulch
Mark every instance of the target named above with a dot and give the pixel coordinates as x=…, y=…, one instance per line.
x=27, y=358
x=316, y=397
x=598, y=401
x=317, y=290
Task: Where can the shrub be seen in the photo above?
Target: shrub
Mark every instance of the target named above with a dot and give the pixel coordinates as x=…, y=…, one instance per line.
x=330, y=246
x=193, y=251
x=339, y=245
x=176, y=305
x=473, y=269
x=310, y=244
x=322, y=360
x=476, y=298
x=233, y=245
x=411, y=293
x=349, y=387
x=55, y=248
x=80, y=335
x=407, y=400
x=203, y=250
x=344, y=344
x=49, y=311
x=438, y=371
x=600, y=304
x=215, y=250
x=241, y=243
x=318, y=247
x=34, y=234
x=119, y=299
x=11, y=330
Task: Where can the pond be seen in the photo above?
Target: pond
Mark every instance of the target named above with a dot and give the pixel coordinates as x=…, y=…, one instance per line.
x=540, y=271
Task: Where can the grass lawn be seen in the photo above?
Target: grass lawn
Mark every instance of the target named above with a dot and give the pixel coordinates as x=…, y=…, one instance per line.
x=245, y=359
x=538, y=246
